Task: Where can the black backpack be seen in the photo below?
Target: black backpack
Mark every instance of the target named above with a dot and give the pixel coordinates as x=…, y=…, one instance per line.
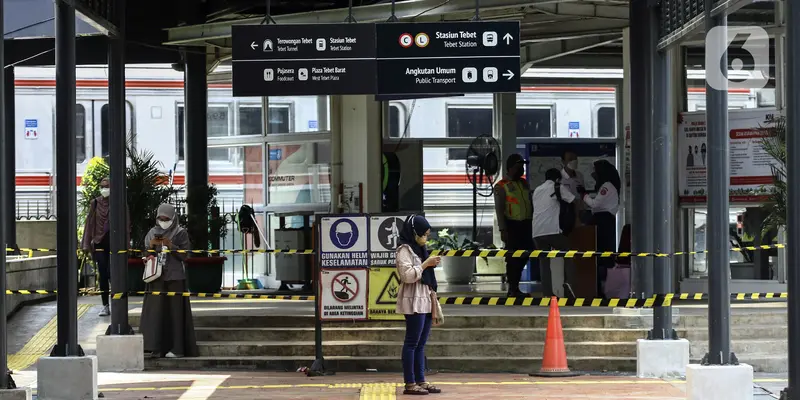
x=566, y=213
x=247, y=223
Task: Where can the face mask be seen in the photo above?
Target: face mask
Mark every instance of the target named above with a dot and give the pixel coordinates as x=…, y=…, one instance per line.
x=165, y=224
x=573, y=165
x=421, y=240
x=105, y=192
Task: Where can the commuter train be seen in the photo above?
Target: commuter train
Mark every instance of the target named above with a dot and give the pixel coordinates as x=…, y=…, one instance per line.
x=298, y=173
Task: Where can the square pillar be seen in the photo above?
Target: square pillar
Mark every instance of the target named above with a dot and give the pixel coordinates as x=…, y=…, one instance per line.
x=196, y=147
x=361, y=154
x=504, y=115
x=67, y=378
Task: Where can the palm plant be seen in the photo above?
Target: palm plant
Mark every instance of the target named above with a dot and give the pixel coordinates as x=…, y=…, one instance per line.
x=146, y=191
x=775, y=145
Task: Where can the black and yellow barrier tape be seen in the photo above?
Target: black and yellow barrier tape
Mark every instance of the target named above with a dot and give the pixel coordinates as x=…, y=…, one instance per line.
x=136, y=251
x=650, y=302
x=654, y=301
x=171, y=294
x=489, y=253
x=581, y=254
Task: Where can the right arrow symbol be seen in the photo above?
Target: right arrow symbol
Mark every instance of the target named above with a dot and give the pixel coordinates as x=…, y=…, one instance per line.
x=509, y=74
x=508, y=38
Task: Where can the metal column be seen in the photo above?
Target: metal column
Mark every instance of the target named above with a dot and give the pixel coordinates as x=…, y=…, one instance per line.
x=663, y=194
x=66, y=198
x=8, y=158
x=792, y=107
x=718, y=178
x=196, y=140
x=641, y=171
x=119, y=210
x=7, y=218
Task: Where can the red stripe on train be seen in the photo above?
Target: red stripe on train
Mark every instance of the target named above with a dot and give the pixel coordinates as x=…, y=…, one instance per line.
x=257, y=179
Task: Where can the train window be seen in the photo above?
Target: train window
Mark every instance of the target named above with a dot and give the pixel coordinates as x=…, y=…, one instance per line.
x=280, y=119
x=467, y=122
x=250, y=120
x=394, y=121
x=217, y=120
x=606, y=122
x=80, y=133
x=105, y=122
x=534, y=122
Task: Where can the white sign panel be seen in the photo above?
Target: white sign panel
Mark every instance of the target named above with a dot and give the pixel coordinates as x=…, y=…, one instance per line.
x=384, y=234
x=344, y=294
x=31, y=129
x=345, y=241
x=750, y=166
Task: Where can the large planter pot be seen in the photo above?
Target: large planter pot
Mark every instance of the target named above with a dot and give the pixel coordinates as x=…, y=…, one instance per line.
x=458, y=270
x=135, y=272
x=204, y=274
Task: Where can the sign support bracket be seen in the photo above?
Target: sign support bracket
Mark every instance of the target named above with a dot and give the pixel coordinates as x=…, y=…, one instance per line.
x=268, y=15
x=350, y=18
x=477, y=16
x=393, y=18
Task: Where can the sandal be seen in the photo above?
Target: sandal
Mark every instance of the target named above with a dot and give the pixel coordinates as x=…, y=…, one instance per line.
x=414, y=389
x=430, y=388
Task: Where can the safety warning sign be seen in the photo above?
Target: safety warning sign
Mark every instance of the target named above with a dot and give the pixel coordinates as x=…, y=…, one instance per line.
x=344, y=294
x=384, y=234
x=345, y=241
x=383, y=287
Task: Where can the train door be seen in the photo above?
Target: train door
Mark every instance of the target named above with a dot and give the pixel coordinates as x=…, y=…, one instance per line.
x=93, y=129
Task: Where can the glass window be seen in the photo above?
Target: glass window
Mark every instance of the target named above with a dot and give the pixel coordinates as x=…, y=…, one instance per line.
x=80, y=133
x=250, y=120
x=467, y=122
x=299, y=173
x=217, y=120
x=606, y=122
x=394, y=121
x=534, y=123
x=280, y=119
x=105, y=123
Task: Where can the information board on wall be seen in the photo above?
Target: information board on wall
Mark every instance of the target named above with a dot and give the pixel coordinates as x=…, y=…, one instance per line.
x=384, y=284
x=750, y=165
x=343, y=294
x=344, y=241
x=545, y=156
x=384, y=234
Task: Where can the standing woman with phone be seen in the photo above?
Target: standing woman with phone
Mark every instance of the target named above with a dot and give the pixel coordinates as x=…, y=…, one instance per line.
x=415, y=299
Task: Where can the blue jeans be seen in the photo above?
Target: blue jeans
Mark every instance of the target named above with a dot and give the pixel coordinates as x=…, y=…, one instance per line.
x=418, y=327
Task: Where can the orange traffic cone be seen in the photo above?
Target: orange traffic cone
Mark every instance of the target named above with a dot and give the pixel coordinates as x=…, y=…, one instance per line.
x=554, y=359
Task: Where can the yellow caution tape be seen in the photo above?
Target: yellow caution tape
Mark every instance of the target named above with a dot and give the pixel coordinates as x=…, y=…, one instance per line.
x=135, y=251
x=650, y=302
x=171, y=294
x=580, y=254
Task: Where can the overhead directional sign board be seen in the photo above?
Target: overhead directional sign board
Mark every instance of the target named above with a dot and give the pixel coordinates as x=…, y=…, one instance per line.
x=448, y=57
x=303, y=59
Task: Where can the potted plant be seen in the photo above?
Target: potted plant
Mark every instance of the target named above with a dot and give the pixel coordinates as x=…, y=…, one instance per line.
x=204, y=270
x=775, y=145
x=146, y=191
x=457, y=270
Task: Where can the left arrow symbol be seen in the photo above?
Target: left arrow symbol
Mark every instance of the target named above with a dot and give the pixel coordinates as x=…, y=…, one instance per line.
x=509, y=74
x=254, y=45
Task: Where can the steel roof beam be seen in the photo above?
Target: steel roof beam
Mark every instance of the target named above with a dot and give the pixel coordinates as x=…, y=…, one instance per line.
x=697, y=24
x=578, y=27
x=537, y=53
x=619, y=13
x=198, y=34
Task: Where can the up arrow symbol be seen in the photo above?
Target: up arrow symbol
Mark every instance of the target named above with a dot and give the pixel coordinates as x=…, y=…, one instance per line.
x=508, y=38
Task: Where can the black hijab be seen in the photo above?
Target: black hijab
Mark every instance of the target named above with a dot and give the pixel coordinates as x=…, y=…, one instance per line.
x=417, y=225
x=606, y=172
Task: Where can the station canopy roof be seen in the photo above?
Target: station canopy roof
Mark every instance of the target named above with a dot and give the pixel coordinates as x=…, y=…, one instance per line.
x=560, y=33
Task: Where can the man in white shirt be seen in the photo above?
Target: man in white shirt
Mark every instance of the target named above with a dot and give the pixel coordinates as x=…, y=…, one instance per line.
x=547, y=230
x=571, y=178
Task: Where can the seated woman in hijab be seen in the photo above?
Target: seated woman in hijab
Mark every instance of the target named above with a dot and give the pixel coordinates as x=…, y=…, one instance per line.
x=167, y=320
x=417, y=284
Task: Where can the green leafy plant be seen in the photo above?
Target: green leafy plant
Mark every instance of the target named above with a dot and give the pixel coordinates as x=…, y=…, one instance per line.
x=96, y=170
x=146, y=191
x=217, y=222
x=775, y=145
x=446, y=241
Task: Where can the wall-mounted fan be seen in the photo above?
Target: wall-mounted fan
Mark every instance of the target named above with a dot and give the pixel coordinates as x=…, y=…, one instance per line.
x=483, y=165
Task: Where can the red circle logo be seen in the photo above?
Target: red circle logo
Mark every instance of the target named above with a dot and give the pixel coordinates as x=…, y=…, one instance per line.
x=406, y=40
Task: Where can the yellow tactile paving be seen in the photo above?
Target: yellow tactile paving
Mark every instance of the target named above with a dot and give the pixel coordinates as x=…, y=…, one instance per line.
x=40, y=344
x=378, y=391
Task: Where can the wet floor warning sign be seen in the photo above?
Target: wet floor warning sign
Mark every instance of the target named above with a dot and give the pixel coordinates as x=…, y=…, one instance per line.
x=383, y=287
x=344, y=294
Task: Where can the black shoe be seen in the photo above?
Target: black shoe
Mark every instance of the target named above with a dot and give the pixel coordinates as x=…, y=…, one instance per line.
x=516, y=293
x=568, y=291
